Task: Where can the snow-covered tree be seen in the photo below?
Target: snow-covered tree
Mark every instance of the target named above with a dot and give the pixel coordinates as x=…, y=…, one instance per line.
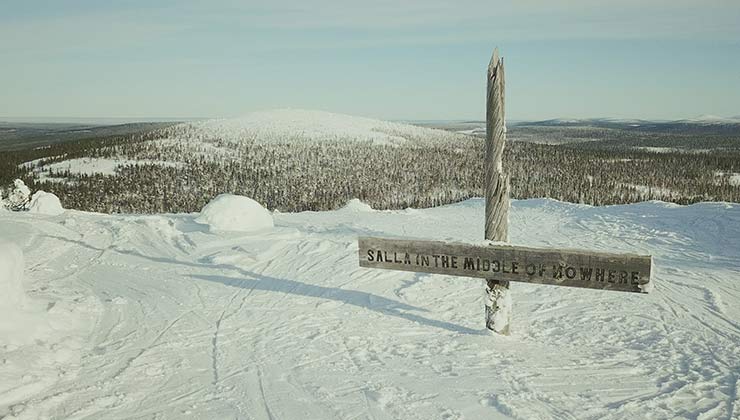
x=19, y=197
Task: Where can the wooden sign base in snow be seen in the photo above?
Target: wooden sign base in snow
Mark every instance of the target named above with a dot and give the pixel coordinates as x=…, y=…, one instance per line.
x=593, y=270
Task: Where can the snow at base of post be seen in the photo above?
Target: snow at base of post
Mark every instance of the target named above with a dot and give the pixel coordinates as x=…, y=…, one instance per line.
x=498, y=308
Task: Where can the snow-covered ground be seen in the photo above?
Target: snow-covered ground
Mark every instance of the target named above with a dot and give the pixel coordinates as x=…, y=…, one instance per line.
x=158, y=317
x=87, y=166
x=733, y=178
x=672, y=150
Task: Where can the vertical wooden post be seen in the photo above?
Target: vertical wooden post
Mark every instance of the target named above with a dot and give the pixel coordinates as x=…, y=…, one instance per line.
x=498, y=299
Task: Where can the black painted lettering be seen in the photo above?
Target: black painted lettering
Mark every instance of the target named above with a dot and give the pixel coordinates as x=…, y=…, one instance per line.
x=623, y=277
x=557, y=271
x=386, y=257
x=586, y=273
x=425, y=260
x=531, y=269
x=610, y=276
x=504, y=268
x=468, y=264
x=395, y=258
x=370, y=255
x=514, y=267
x=445, y=261
x=635, y=277
x=407, y=259
x=486, y=264
x=453, y=262
x=570, y=272
x=495, y=266
x=436, y=260
x=600, y=275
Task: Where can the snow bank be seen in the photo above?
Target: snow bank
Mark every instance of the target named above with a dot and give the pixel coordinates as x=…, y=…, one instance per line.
x=355, y=205
x=12, y=296
x=40, y=340
x=43, y=202
x=229, y=212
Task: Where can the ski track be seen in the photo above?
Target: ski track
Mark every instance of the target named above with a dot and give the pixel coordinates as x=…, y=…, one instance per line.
x=284, y=324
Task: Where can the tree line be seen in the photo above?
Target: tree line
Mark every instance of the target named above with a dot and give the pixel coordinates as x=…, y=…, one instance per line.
x=290, y=175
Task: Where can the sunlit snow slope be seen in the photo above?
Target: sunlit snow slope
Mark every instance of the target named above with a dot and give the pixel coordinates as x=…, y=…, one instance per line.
x=307, y=126
x=216, y=139
x=164, y=319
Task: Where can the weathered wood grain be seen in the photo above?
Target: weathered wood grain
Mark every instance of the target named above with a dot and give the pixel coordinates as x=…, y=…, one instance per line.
x=497, y=300
x=564, y=267
x=496, y=182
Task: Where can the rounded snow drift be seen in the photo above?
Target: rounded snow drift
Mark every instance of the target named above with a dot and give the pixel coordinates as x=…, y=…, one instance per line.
x=12, y=295
x=43, y=202
x=228, y=212
x=355, y=205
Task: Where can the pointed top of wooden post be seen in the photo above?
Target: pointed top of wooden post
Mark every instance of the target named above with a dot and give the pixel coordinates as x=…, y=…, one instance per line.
x=495, y=60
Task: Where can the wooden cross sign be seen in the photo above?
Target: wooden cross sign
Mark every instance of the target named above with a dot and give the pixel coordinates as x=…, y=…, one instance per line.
x=496, y=261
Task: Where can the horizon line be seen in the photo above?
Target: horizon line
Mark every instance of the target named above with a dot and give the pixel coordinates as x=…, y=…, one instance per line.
x=103, y=120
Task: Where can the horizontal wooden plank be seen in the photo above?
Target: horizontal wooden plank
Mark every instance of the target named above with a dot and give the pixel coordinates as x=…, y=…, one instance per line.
x=560, y=267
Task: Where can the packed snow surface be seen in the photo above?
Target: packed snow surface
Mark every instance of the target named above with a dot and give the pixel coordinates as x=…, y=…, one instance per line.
x=228, y=212
x=43, y=202
x=158, y=317
x=12, y=295
x=40, y=338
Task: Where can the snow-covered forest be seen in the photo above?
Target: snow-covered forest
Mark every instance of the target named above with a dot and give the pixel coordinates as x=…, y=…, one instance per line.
x=304, y=160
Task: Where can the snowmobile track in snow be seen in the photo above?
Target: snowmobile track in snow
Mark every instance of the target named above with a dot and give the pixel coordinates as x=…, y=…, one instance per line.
x=172, y=321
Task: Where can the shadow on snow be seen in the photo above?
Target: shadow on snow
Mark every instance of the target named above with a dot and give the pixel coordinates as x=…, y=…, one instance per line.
x=255, y=281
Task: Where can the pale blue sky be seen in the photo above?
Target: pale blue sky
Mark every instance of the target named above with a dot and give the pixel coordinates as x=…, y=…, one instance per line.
x=417, y=59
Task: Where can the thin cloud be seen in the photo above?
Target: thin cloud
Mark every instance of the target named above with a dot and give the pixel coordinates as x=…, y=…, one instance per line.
x=344, y=24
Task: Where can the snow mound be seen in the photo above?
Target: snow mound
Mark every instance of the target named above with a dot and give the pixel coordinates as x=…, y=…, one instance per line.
x=12, y=296
x=228, y=212
x=43, y=202
x=355, y=205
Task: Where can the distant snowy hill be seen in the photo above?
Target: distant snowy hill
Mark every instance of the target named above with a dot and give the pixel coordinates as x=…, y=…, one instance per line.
x=219, y=139
x=631, y=122
x=159, y=317
x=711, y=119
x=285, y=125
